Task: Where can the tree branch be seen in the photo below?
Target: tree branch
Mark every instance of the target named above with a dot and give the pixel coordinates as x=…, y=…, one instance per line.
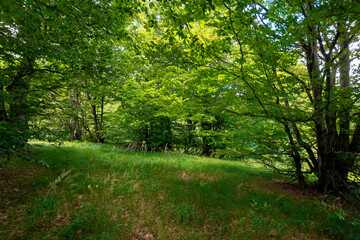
x=308, y=92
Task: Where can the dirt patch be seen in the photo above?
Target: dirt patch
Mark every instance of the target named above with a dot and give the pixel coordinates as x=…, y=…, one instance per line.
x=16, y=183
x=15, y=180
x=185, y=176
x=197, y=176
x=206, y=176
x=305, y=193
x=143, y=233
x=289, y=188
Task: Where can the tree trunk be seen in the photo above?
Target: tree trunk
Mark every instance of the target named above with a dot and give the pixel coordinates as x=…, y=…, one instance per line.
x=206, y=146
x=190, y=129
x=344, y=87
x=295, y=155
x=322, y=141
x=95, y=117
x=344, y=162
x=160, y=134
x=101, y=124
x=18, y=106
x=76, y=132
x=333, y=166
x=3, y=114
x=145, y=138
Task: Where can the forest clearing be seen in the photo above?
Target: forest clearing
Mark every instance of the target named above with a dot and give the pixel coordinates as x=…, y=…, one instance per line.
x=179, y=119
x=94, y=191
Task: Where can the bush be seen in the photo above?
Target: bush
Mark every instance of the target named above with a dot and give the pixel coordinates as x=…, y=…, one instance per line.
x=11, y=141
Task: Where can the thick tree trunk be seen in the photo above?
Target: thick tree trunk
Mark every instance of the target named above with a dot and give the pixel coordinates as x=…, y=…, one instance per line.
x=334, y=166
x=18, y=105
x=344, y=137
x=322, y=139
x=344, y=162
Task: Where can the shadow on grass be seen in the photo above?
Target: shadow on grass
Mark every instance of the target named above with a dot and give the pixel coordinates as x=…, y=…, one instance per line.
x=198, y=197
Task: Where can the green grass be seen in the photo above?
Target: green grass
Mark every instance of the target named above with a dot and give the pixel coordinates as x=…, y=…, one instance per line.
x=93, y=191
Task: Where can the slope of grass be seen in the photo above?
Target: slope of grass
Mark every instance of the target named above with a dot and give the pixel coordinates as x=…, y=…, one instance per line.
x=93, y=191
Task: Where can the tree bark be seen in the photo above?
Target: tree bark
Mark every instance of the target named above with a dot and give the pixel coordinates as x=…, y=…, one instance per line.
x=190, y=129
x=206, y=145
x=95, y=117
x=344, y=162
x=101, y=124
x=344, y=87
x=3, y=114
x=18, y=105
x=295, y=155
x=76, y=132
x=322, y=141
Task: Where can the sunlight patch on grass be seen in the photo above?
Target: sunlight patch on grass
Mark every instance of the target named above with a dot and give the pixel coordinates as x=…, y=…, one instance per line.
x=100, y=192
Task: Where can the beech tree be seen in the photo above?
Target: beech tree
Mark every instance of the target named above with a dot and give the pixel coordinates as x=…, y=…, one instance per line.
x=43, y=43
x=289, y=61
x=285, y=70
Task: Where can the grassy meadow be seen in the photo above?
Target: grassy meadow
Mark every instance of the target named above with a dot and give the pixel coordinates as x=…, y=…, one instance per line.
x=94, y=191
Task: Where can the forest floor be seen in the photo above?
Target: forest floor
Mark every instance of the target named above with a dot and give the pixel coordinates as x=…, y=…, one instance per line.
x=94, y=191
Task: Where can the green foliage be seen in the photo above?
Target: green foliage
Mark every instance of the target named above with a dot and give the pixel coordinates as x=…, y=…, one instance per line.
x=12, y=142
x=49, y=48
x=340, y=222
x=271, y=62
x=270, y=80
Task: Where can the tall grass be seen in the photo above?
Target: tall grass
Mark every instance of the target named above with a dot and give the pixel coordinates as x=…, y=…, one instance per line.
x=94, y=191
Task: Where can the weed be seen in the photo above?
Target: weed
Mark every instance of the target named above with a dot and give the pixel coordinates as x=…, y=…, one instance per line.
x=60, y=178
x=182, y=214
x=45, y=206
x=338, y=222
x=86, y=221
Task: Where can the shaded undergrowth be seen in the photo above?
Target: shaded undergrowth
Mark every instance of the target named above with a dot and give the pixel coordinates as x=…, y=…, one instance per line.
x=93, y=191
